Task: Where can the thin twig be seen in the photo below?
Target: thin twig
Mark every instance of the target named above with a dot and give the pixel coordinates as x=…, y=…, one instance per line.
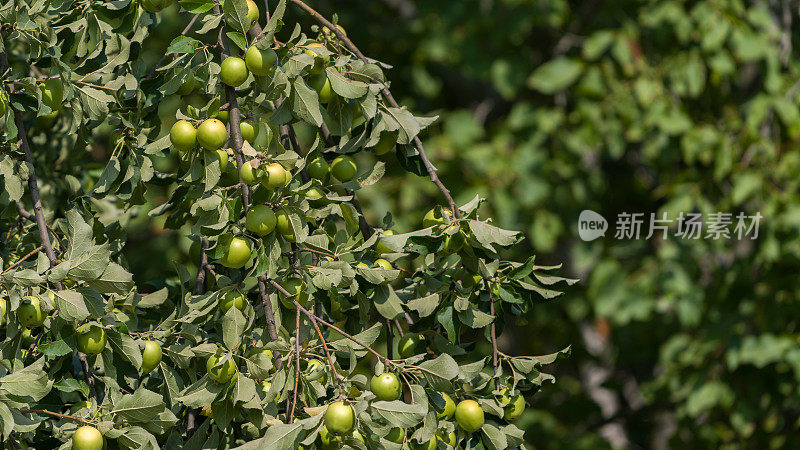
x=54, y=414
x=87, y=373
x=297, y=364
x=494, y=319
x=21, y=260
x=389, y=98
x=327, y=354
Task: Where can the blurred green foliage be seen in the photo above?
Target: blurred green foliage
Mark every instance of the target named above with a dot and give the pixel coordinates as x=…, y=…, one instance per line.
x=552, y=107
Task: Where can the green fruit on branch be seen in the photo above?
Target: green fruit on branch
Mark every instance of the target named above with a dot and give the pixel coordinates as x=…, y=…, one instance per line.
x=260, y=62
x=322, y=85
x=380, y=247
x=284, y=225
x=233, y=71
x=448, y=438
x=221, y=373
x=383, y=264
x=315, y=196
x=151, y=356
x=339, y=418
x=296, y=287
x=52, y=91
x=261, y=220
x=249, y=173
x=386, y=387
x=29, y=313
x=3, y=309
x=315, y=370
x=432, y=444
x=221, y=155
x=187, y=86
x=514, y=405
x=449, y=408
x=386, y=143
x=274, y=176
x=230, y=299
x=318, y=168
x=344, y=168
x=154, y=6
x=87, y=438
x=212, y=134
x=252, y=15
x=395, y=435
x=469, y=416
x=91, y=339
x=410, y=344
x=183, y=135
x=237, y=254
x=249, y=130
x=252, y=12
x=221, y=115
x=456, y=241
x=432, y=218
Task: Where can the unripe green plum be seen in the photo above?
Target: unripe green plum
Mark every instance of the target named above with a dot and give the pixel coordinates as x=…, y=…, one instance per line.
x=151, y=356
x=284, y=225
x=221, y=373
x=52, y=91
x=469, y=416
x=233, y=71
x=29, y=313
x=386, y=386
x=260, y=62
x=296, y=287
x=344, y=168
x=3, y=309
x=432, y=218
x=339, y=418
x=410, y=344
x=386, y=143
x=449, y=408
x=515, y=405
x=395, y=435
x=87, y=438
x=188, y=86
x=91, y=339
x=237, y=254
x=231, y=298
x=322, y=85
x=249, y=173
x=315, y=370
x=274, y=176
x=183, y=135
x=249, y=130
x=212, y=134
x=318, y=168
x=261, y=220
x=380, y=247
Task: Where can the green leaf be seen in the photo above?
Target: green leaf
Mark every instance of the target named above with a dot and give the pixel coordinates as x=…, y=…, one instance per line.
x=555, y=75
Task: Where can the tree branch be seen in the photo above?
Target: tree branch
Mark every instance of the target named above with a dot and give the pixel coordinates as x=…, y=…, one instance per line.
x=33, y=181
x=269, y=315
x=389, y=98
x=200, y=279
x=54, y=414
x=234, y=116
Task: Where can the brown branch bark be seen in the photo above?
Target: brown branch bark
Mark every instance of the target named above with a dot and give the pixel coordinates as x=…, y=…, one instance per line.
x=87, y=373
x=200, y=279
x=234, y=116
x=493, y=332
x=33, y=181
x=269, y=315
x=389, y=98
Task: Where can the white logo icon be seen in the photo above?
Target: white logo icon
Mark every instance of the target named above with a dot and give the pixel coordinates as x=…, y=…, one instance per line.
x=591, y=225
